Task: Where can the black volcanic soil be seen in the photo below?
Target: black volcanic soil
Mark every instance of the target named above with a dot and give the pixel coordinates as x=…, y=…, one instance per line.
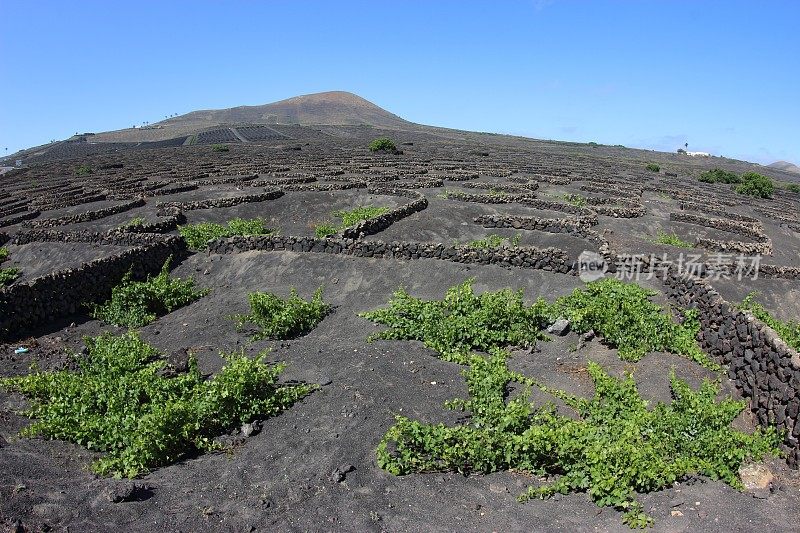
x=281, y=479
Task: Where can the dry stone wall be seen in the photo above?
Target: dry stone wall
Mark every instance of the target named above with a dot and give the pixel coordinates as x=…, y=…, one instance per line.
x=381, y=222
x=87, y=215
x=763, y=367
x=552, y=259
x=42, y=300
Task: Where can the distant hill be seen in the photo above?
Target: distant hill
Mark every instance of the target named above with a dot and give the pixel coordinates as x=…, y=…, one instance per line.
x=333, y=108
x=785, y=166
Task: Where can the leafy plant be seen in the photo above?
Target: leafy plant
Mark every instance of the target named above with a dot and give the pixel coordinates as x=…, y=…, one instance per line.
x=718, y=175
x=356, y=215
x=614, y=448
x=757, y=185
x=382, y=144
x=198, y=235
x=121, y=402
x=220, y=148
x=83, y=170
x=626, y=318
x=495, y=241
x=575, y=199
x=652, y=167
x=137, y=303
x=793, y=187
x=325, y=230
x=788, y=331
x=462, y=321
x=348, y=218
x=671, y=239
x=279, y=318
x=134, y=222
x=8, y=275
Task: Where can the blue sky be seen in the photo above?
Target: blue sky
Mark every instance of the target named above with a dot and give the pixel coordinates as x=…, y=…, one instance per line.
x=723, y=76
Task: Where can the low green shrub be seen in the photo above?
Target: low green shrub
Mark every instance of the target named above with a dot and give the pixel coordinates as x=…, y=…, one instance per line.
x=575, y=199
x=134, y=222
x=279, y=318
x=356, y=215
x=135, y=304
x=325, y=230
x=8, y=275
x=382, y=144
x=613, y=449
x=671, y=239
x=495, y=241
x=652, y=167
x=84, y=170
x=462, y=321
x=220, y=148
x=348, y=218
x=718, y=175
x=121, y=403
x=621, y=313
x=198, y=235
x=793, y=187
x=626, y=318
x=754, y=184
x=788, y=331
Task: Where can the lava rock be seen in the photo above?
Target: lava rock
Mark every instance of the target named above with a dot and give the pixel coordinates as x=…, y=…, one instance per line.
x=560, y=327
x=340, y=473
x=251, y=428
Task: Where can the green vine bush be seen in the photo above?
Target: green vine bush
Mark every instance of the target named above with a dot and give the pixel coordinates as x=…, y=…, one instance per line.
x=788, y=331
x=575, y=199
x=382, y=144
x=134, y=222
x=754, y=184
x=614, y=449
x=135, y=304
x=121, y=403
x=718, y=175
x=279, y=318
x=626, y=318
x=198, y=235
x=652, y=167
x=7, y=275
x=672, y=239
x=348, y=218
x=495, y=241
x=462, y=321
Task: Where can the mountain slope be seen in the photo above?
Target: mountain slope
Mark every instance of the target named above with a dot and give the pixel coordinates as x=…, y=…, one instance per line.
x=329, y=108
x=785, y=166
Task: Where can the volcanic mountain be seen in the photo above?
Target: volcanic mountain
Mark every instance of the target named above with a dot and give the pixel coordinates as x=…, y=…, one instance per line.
x=328, y=108
x=785, y=166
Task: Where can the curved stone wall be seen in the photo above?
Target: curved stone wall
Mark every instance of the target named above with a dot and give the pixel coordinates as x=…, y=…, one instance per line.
x=44, y=299
x=381, y=222
x=763, y=367
x=552, y=259
x=86, y=216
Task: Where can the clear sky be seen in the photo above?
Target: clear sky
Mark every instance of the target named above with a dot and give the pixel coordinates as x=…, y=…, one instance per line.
x=723, y=76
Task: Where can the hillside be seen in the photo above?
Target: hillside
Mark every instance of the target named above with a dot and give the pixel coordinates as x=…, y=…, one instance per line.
x=328, y=108
x=785, y=166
